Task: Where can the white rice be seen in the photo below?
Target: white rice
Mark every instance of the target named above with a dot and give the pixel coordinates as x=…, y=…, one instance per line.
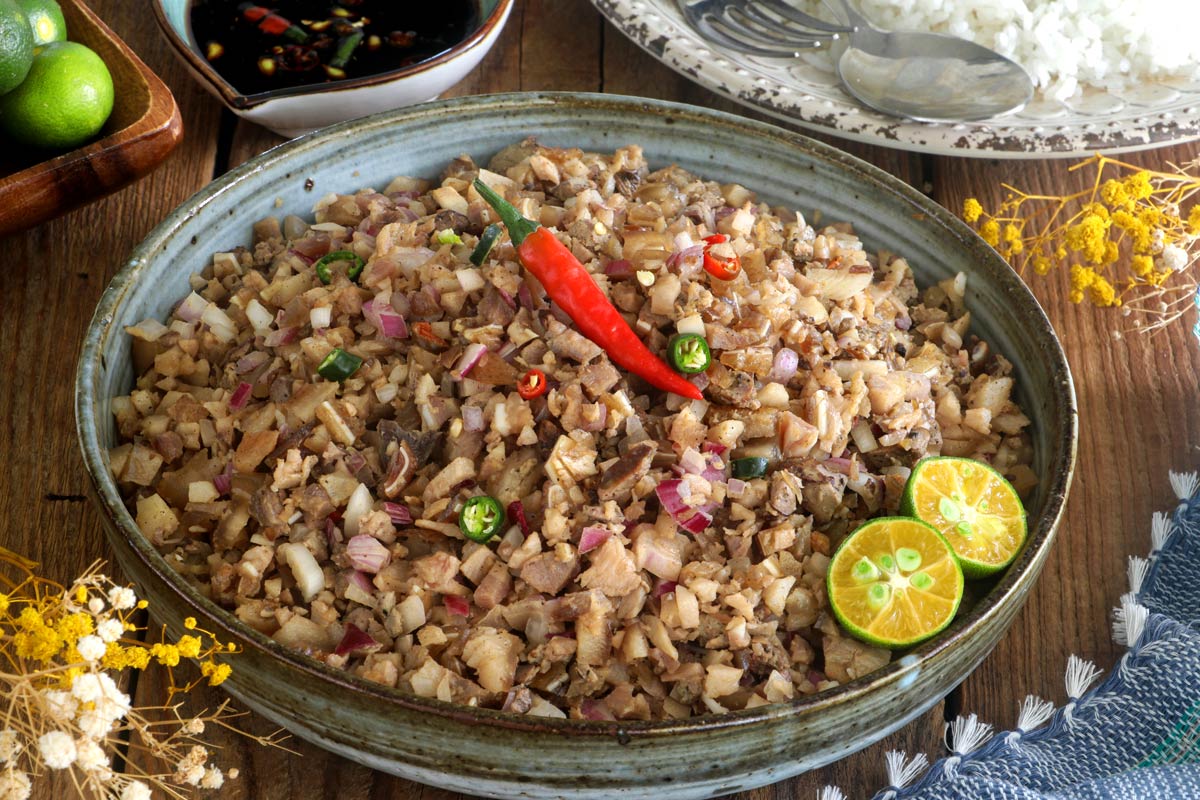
x=1065, y=45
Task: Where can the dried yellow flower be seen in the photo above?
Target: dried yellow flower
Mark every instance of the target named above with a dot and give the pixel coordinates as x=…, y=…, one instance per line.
x=972, y=210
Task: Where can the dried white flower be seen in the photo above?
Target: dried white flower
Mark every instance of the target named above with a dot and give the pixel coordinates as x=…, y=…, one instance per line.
x=87, y=688
x=213, y=779
x=57, y=749
x=122, y=598
x=135, y=790
x=94, y=724
x=96, y=606
x=14, y=785
x=91, y=648
x=90, y=757
x=193, y=727
x=60, y=704
x=110, y=630
x=191, y=776
x=10, y=745
x=195, y=758
x=1174, y=257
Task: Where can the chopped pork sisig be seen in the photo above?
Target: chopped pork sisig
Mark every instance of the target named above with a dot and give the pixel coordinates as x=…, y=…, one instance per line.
x=303, y=450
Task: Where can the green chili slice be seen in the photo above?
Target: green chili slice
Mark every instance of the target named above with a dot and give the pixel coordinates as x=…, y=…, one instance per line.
x=322, y=266
x=486, y=242
x=690, y=354
x=339, y=365
x=747, y=468
x=481, y=518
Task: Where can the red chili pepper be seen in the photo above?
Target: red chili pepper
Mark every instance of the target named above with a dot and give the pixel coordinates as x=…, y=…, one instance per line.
x=724, y=268
x=271, y=23
x=532, y=384
x=424, y=330
x=572, y=287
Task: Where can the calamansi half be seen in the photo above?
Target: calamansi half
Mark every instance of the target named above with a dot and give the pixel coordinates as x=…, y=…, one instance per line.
x=894, y=582
x=973, y=506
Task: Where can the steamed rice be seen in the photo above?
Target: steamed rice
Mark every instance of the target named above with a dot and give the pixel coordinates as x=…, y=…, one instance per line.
x=1065, y=45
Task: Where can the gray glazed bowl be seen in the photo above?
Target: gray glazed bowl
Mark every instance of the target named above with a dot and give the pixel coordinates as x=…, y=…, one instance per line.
x=502, y=755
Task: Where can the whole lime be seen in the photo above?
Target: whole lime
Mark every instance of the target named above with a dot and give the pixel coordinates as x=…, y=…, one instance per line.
x=64, y=101
x=16, y=46
x=46, y=19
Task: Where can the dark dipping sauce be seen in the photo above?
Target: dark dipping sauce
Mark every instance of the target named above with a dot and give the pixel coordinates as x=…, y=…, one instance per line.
x=259, y=48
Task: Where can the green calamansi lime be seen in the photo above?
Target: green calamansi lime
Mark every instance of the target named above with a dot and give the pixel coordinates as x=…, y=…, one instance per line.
x=64, y=101
x=894, y=582
x=16, y=46
x=972, y=505
x=46, y=19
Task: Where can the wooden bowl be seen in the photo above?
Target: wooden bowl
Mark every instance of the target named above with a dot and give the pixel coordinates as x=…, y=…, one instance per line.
x=144, y=127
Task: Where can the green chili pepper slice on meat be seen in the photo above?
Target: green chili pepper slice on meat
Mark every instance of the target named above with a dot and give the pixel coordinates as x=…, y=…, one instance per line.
x=486, y=242
x=690, y=353
x=322, y=266
x=747, y=468
x=338, y=365
x=481, y=518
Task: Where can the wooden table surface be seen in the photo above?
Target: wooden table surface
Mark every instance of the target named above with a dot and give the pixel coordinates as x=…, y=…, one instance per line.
x=1137, y=394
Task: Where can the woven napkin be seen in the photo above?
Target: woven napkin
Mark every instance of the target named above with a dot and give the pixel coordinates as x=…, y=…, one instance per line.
x=1133, y=736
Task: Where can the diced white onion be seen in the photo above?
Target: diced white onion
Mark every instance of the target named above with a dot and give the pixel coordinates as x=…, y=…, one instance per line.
x=321, y=317
x=863, y=438
x=359, y=504
x=148, y=330
x=309, y=577
x=692, y=323
x=260, y=319
x=219, y=323
x=469, y=279
x=386, y=393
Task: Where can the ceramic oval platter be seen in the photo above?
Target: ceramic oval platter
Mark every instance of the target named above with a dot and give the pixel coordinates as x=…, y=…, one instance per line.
x=806, y=91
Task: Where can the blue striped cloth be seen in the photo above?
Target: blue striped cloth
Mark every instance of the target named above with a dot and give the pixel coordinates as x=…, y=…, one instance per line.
x=1133, y=736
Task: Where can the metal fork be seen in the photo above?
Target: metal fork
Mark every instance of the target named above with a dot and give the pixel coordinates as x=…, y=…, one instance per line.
x=769, y=28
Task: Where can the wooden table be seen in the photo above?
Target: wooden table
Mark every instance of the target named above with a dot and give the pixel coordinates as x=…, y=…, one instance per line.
x=1137, y=394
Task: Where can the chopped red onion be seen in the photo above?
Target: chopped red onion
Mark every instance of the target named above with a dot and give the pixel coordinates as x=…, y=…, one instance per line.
x=399, y=514
x=716, y=448
x=787, y=361
x=458, y=606
x=699, y=380
x=252, y=361
x=516, y=513
x=668, y=495
x=280, y=337
x=387, y=321
x=240, y=395
x=224, y=481
x=696, y=523
x=723, y=212
x=307, y=259
x=508, y=350
x=366, y=553
x=903, y=323
x=191, y=308
x=735, y=488
x=468, y=360
x=507, y=298
x=472, y=417
x=599, y=422
x=662, y=587
x=361, y=580
x=690, y=254
x=595, y=710
x=311, y=248
x=354, y=639
x=525, y=296
x=841, y=465
x=355, y=461
x=621, y=269
x=592, y=537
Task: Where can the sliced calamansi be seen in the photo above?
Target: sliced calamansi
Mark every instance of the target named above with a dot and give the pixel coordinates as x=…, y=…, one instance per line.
x=894, y=582
x=972, y=505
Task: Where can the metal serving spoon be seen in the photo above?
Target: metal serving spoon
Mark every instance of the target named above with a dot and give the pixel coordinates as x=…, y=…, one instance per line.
x=929, y=77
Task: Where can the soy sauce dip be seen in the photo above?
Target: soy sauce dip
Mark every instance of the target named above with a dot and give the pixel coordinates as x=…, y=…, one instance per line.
x=258, y=47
